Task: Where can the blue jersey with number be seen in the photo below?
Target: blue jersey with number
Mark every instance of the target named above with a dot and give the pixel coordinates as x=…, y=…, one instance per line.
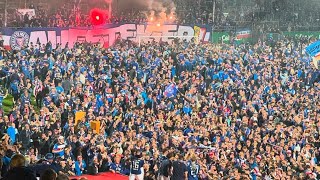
x=136, y=166
x=193, y=171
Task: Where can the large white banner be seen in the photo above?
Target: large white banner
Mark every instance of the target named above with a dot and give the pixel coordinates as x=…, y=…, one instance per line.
x=107, y=36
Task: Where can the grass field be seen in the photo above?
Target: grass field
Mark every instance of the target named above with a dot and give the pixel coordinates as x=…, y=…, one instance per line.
x=7, y=104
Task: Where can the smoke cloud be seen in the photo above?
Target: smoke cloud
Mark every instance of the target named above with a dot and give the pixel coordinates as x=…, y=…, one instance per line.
x=165, y=6
x=158, y=9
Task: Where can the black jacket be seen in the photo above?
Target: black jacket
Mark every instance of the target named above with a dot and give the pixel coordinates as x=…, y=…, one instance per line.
x=45, y=146
x=21, y=173
x=25, y=137
x=93, y=169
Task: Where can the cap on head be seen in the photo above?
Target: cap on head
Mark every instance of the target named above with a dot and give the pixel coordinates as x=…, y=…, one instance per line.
x=49, y=156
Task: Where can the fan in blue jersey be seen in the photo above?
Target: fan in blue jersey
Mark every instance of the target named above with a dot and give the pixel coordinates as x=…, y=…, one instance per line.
x=117, y=167
x=136, y=168
x=193, y=169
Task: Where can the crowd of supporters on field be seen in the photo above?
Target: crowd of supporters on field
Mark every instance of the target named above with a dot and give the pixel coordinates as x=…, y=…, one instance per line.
x=178, y=109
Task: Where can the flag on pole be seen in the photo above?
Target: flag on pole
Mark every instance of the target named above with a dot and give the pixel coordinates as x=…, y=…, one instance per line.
x=314, y=51
x=245, y=34
x=171, y=90
x=197, y=30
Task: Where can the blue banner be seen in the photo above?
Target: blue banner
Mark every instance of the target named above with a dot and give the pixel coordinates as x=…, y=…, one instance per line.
x=313, y=49
x=171, y=90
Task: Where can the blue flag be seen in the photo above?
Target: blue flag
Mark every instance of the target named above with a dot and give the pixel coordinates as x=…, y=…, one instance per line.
x=171, y=90
x=313, y=49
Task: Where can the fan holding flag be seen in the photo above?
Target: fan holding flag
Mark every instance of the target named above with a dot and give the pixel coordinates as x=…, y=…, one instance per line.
x=171, y=90
x=314, y=51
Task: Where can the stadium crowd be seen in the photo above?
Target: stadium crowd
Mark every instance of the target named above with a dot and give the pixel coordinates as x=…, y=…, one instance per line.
x=181, y=109
x=62, y=17
x=227, y=14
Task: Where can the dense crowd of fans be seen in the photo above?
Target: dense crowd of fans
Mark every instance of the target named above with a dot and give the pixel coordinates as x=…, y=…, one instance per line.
x=180, y=109
x=65, y=16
